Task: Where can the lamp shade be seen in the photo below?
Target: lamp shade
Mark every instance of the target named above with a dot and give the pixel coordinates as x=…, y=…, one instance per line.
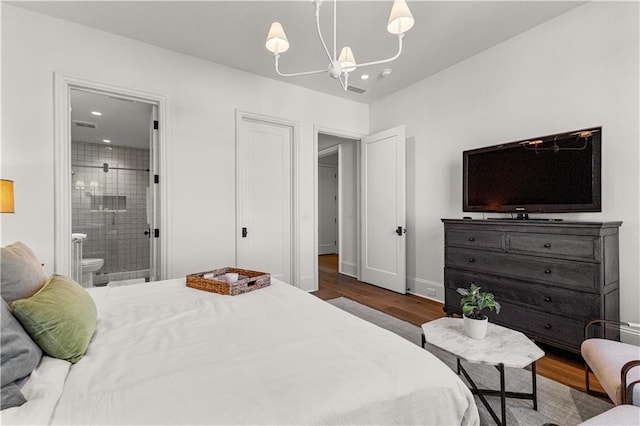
x=276, y=39
x=347, y=60
x=6, y=196
x=400, y=19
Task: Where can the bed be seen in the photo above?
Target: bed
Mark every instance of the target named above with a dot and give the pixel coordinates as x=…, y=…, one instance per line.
x=163, y=353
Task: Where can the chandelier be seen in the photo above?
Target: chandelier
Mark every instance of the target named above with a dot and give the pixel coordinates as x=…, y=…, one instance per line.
x=400, y=21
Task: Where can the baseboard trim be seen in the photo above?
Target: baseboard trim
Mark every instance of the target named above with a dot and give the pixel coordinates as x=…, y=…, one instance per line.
x=424, y=288
x=307, y=283
x=350, y=269
x=630, y=335
x=424, y=297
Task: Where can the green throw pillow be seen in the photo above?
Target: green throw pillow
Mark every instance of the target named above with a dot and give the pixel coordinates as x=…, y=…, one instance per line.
x=60, y=318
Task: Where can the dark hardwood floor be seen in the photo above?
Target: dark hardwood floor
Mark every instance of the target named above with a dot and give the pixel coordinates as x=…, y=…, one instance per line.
x=559, y=365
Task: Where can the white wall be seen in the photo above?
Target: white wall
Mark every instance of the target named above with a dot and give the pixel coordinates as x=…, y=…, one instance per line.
x=202, y=100
x=575, y=71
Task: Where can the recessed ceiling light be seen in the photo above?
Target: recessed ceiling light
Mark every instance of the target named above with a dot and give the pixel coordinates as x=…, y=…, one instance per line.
x=96, y=113
x=106, y=140
x=364, y=76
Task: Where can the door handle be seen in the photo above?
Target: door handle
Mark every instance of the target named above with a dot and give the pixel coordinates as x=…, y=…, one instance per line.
x=244, y=232
x=399, y=230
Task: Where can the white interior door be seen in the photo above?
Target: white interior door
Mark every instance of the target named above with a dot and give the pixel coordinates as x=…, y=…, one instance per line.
x=383, y=209
x=264, y=197
x=327, y=209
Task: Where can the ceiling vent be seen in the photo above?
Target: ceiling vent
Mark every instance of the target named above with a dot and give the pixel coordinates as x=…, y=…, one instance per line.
x=85, y=124
x=355, y=89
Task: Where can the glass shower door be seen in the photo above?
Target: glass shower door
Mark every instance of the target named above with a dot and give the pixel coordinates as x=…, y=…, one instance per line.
x=110, y=205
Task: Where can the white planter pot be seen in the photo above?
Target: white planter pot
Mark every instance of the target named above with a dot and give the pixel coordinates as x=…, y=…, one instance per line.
x=476, y=329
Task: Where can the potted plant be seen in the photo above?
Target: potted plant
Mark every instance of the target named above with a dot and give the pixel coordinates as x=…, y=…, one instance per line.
x=473, y=303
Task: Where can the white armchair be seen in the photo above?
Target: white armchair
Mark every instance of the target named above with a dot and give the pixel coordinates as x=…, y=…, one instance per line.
x=617, y=367
x=615, y=364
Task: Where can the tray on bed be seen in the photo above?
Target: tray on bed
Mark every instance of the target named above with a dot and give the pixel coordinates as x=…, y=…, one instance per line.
x=215, y=281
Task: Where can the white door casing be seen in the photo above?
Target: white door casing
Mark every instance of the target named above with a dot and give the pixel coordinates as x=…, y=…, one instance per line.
x=63, y=84
x=264, y=196
x=327, y=209
x=153, y=201
x=383, y=255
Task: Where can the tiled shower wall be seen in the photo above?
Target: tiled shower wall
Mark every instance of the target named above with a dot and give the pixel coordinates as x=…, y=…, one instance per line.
x=111, y=207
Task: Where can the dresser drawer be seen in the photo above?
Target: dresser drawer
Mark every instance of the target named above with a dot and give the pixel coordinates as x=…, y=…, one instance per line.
x=577, y=275
x=549, y=328
x=554, y=300
x=488, y=240
x=568, y=247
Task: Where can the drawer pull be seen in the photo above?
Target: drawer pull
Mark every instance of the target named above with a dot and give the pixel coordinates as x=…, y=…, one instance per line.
x=471, y=260
x=472, y=239
x=547, y=271
x=547, y=299
x=547, y=326
x=547, y=245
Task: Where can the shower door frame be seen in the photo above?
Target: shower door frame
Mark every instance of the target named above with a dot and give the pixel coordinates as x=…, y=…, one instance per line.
x=63, y=84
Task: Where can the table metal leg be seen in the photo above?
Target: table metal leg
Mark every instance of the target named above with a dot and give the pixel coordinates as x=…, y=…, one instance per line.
x=503, y=396
x=481, y=394
x=535, y=386
x=502, y=392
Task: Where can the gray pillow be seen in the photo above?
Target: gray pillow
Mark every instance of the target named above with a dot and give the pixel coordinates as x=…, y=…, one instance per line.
x=11, y=396
x=19, y=356
x=21, y=275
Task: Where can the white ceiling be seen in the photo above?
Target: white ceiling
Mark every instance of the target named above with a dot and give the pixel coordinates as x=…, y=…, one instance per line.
x=123, y=122
x=233, y=33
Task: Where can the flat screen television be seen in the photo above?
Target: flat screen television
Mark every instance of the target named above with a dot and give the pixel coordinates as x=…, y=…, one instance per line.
x=551, y=174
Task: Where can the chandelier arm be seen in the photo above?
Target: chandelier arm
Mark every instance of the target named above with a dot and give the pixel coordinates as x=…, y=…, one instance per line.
x=384, y=61
x=335, y=31
x=296, y=73
x=324, y=45
x=345, y=83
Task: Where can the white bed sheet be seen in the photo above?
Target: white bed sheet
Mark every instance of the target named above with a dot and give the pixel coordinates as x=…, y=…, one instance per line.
x=42, y=391
x=167, y=354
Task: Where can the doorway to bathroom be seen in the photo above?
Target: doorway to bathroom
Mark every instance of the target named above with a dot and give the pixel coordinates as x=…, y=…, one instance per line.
x=338, y=201
x=113, y=199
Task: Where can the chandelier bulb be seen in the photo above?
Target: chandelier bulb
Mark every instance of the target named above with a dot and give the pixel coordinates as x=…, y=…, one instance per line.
x=347, y=60
x=400, y=18
x=277, y=41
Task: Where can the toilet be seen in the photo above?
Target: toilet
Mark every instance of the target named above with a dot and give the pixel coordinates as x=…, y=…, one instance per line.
x=90, y=267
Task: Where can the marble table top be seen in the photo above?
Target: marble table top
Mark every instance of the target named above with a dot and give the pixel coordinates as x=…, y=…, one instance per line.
x=500, y=346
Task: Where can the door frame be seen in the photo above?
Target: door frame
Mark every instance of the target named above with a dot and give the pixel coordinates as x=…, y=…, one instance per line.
x=356, y=137
x=63, y=84
x=294, y=126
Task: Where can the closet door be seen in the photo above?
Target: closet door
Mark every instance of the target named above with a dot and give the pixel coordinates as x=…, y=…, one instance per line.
x=264, y=197
x=383, y=209
x=327, y=209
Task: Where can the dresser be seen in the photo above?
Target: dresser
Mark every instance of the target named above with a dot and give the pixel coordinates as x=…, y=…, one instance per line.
x=550, y=277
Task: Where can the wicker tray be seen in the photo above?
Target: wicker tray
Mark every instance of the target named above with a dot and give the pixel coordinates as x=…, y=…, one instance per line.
x=215, y=282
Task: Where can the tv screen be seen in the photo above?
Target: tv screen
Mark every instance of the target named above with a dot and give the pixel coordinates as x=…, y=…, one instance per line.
x=550, y=174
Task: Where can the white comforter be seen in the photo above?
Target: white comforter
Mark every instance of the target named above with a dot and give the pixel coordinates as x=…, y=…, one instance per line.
x=164, y=353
